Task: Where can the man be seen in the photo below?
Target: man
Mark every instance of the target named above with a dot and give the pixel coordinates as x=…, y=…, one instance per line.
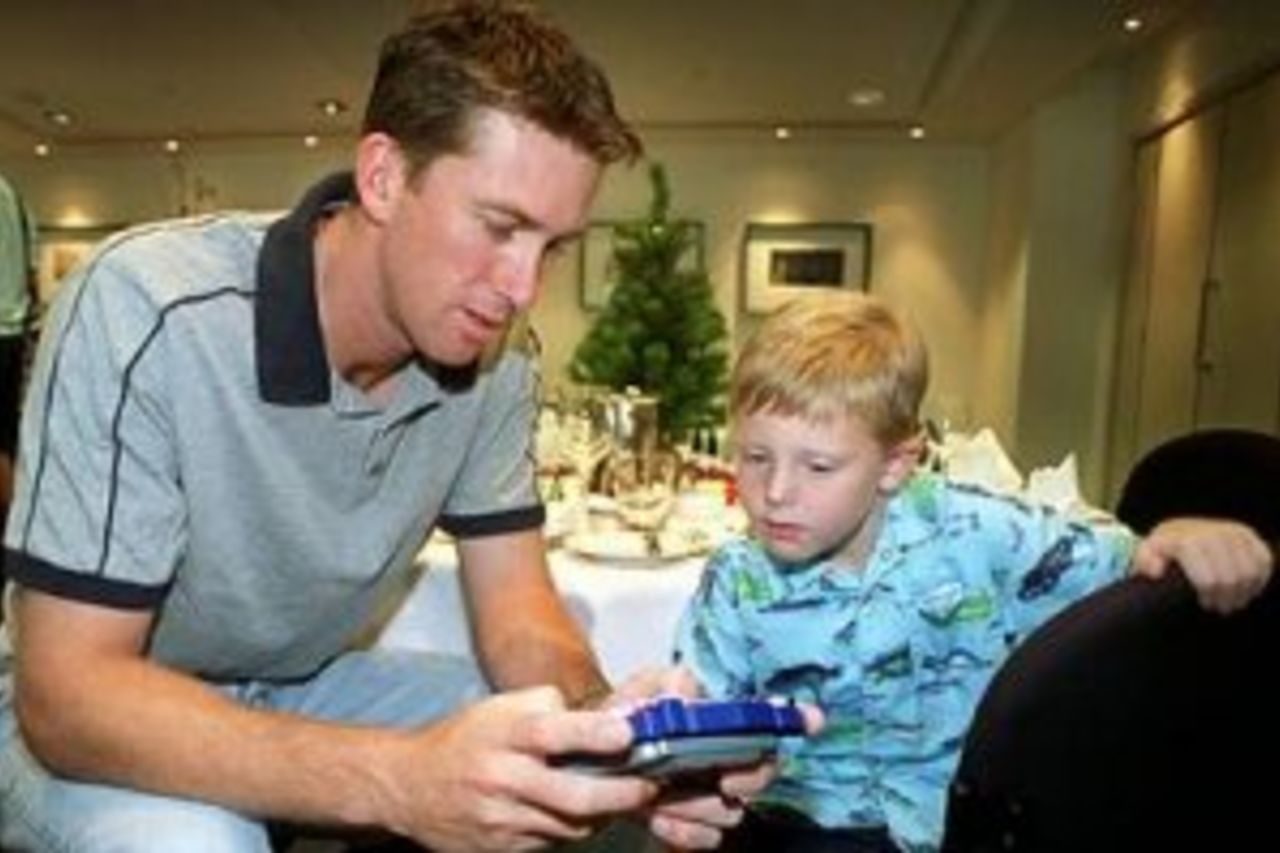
x=240, y=433
x=17, y=312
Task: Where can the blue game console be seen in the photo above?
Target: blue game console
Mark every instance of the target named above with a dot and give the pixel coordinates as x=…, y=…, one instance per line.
x=674, y=737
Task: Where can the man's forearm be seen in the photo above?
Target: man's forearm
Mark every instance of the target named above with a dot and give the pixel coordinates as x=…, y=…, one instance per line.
x=549, y=652
x=145, y=727
x=523, y=631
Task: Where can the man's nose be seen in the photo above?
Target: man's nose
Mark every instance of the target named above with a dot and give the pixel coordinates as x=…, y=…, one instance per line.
x=519, y=275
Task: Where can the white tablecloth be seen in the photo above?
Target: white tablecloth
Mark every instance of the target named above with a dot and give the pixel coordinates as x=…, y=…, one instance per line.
x=628, y=611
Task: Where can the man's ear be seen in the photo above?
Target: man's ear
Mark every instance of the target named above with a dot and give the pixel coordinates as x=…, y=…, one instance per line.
x=380, y=174
x=900, y=461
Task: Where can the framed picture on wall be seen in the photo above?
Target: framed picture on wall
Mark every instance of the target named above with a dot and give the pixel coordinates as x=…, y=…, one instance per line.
x=782, y=261
x=598, y=271
x=61, y=250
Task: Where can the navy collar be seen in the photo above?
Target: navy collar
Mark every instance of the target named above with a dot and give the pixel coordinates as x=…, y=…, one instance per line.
x=293, y=367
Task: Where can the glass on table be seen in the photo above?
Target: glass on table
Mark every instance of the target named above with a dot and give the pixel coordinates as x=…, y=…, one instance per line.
x=644, y=487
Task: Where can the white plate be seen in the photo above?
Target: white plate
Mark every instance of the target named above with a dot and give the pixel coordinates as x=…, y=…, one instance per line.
x=630, y=548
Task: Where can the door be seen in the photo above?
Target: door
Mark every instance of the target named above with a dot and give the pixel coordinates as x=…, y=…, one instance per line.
x=1157, y=377
x=1239, y=381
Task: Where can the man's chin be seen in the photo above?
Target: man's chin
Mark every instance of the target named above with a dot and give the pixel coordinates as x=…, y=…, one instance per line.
x=461, y=353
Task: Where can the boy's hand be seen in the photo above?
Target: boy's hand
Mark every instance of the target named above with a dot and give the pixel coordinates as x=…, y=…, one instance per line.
x=696, y=821
x=1226, y=562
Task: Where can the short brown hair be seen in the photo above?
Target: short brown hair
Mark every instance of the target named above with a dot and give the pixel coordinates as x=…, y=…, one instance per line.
x=839, y=354
x=445, y=65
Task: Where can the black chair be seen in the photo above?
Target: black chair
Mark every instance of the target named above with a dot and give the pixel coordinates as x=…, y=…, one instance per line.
x=1221, y=473
x=1135, y=720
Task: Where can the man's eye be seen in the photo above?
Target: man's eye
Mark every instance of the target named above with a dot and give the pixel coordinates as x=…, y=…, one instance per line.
x=500, y=231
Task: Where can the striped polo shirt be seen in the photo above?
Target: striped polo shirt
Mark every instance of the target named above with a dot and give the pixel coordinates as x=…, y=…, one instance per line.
x=189, y=449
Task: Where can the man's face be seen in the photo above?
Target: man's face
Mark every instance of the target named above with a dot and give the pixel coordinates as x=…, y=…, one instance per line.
x=467, y=239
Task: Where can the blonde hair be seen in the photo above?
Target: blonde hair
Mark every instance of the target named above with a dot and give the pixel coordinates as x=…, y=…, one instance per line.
x=837, y=354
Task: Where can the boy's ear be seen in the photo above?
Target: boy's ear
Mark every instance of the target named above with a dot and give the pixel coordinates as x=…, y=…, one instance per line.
x=380, y=172
x=900, y=462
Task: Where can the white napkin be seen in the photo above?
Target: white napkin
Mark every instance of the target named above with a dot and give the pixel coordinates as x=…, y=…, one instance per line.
x=1056, y=485
x=980, y=459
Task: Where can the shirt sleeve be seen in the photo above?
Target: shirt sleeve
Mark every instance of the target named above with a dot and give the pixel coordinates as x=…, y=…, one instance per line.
x=99, y=514
x=495, y=490
x=1056, y=560
x=710, y=638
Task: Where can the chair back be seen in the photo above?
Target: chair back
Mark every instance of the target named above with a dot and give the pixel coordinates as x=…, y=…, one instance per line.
x=1134, y=719
x=1221, y=473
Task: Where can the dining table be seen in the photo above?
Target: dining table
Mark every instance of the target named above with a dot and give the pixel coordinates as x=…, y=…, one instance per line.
x=626, y=591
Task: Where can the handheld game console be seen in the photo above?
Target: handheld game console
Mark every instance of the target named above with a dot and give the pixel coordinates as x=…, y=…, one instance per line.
x=674, y=737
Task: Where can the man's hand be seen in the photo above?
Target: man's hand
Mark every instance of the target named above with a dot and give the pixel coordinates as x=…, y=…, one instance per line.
x=1226, y=562
x=480, y=779
x=697, y=821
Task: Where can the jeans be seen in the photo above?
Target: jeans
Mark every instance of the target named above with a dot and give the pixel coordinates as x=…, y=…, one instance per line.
x=45, y=813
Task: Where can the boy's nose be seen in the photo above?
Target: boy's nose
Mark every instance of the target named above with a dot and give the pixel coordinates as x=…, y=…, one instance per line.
x=778, y=487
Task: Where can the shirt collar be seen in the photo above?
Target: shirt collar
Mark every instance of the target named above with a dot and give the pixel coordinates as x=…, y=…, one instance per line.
x=293, y=367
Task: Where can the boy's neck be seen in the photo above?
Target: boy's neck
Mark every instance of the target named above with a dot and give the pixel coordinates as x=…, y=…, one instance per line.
x=856, y=551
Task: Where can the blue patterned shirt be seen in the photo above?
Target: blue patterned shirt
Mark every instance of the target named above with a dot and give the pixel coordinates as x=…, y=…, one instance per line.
x=897, y=654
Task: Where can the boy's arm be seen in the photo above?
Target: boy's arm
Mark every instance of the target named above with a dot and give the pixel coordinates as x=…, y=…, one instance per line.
x=1226, y=562
x=710, y=638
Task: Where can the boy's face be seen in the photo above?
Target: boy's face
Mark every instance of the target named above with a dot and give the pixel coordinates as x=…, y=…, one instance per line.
x=809, y=486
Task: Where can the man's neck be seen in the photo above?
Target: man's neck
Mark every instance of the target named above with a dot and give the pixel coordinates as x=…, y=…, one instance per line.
x=362, y=345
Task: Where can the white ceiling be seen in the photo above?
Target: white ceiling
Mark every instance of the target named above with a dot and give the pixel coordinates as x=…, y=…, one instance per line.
x=133, y=71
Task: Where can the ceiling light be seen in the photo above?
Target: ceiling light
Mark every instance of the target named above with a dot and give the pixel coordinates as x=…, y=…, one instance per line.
x=172, y=146
x=782, y=132
x=1132, y=24
x=42, y=149
x=310, y=140
x=866, y=97
x=331, y=107
x=916, y=131
x=61, y=118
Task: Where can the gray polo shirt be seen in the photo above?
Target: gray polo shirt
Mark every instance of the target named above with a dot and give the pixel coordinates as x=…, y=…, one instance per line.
x=190, y=450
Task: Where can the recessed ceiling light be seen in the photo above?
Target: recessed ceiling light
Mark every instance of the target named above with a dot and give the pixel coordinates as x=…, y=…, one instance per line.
x=42, y=149
x=61, y=118
x=172, y=146
x=916, y=131
x=866, y=97
x=310, y=140
x=1132, y=24
x=331, y=107
x=782, y=132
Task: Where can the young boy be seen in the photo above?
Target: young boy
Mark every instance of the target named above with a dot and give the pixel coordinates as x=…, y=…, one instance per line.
x=886, y=595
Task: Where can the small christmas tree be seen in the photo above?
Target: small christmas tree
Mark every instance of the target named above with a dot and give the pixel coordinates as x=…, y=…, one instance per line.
x=660, y=331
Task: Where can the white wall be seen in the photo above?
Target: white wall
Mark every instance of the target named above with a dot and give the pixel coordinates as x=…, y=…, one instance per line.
x=999, y=363
x=927, y=204
x=1077, y=227
x=128, y=184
